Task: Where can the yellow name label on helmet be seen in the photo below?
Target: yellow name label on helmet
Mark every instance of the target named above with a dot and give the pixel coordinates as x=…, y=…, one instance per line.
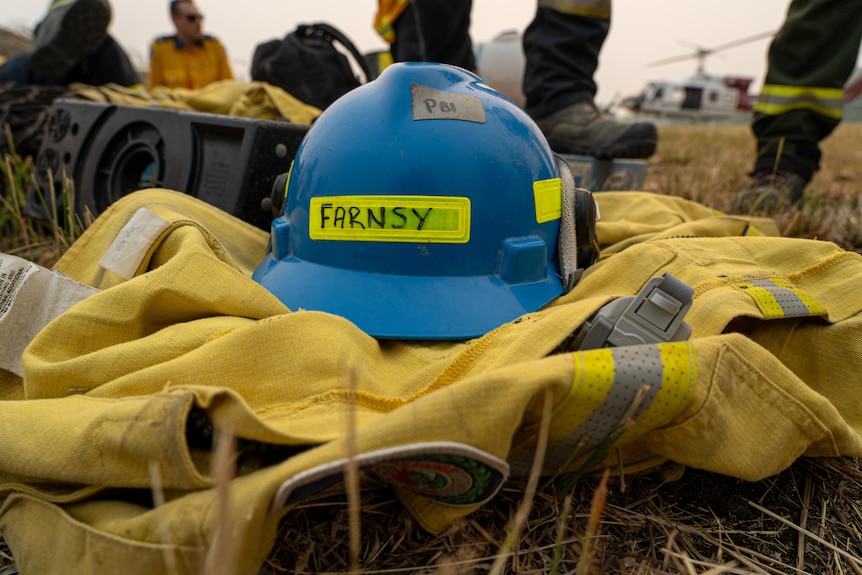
x=418, y=219
x=548, y=196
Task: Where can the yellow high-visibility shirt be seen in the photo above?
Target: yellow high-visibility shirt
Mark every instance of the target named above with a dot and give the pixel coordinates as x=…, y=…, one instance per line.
x=177, y=65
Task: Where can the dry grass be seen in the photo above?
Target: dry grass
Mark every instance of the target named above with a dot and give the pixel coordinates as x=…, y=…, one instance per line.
x=804, y=520
x=708, y=164
x=14, y=42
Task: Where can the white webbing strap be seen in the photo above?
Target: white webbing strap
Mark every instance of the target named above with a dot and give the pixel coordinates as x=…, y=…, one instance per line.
x=30, y=297
x=567, y=244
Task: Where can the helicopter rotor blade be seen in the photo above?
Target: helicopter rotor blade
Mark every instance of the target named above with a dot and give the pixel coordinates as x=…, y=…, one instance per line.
x=699, y=52
x=741, y=41
x=694, y=47
x=673, y=59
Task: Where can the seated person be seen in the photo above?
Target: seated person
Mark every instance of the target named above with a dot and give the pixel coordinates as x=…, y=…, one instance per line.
x=189, y=58
x=72, y=44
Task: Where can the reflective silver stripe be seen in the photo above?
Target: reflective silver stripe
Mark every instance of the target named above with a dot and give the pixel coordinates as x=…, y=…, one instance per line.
x=567, y=244
x=776, y=99
x=777, y=297
x=634, y=367
x=791, y=304
x=591, y=8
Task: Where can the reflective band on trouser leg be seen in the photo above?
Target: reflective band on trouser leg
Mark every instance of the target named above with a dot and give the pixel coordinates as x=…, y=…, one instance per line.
x=59, y=4
x=607, y=383
x=775, y=100
x=589, y=8
x=777, y=298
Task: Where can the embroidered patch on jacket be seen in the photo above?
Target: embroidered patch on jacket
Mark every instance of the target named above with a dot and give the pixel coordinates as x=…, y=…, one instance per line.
x=449, y=473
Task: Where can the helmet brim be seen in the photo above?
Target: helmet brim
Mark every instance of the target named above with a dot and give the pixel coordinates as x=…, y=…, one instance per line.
x=409, y=307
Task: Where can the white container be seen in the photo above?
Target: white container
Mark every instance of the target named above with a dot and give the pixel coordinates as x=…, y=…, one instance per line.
x=501, y=63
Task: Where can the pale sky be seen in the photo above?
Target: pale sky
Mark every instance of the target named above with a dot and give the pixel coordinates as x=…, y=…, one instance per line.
x=642, y=31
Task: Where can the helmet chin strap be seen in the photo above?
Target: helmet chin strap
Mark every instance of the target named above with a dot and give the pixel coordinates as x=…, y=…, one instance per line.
x=577, y=246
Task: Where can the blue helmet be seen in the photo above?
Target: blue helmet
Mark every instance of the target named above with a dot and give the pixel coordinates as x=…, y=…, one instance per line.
x=421, y=205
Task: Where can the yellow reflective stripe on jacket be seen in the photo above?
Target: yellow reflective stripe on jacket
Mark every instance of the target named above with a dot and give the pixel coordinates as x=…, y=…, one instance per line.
x=589, y=8
x=192, y=67
x=387, y=12
x=777, y=298
x=647, y=384
x=775, y=99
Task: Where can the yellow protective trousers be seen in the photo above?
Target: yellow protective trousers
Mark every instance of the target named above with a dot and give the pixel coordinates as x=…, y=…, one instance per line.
x=171, y=344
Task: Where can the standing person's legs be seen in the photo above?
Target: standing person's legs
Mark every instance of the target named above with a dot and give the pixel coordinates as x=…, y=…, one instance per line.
x=435, y=31
x=562, y=46
x=810, y=60
x=406, y=46
x=562, y=55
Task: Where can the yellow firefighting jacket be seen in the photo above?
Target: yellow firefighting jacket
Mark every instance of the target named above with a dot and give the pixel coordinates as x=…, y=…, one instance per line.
x=175, y=65
x=155, y=331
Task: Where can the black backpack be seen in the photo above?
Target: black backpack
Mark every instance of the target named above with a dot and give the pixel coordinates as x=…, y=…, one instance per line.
x=307, y=65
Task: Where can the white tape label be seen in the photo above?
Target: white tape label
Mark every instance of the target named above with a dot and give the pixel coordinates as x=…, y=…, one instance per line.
x=30, y=298
x=125, y=254
x=433, y=104
x=13, y=273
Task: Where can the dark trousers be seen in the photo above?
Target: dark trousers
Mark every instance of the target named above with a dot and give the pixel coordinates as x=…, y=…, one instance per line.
x=435, y=31
x=562, y=55
x=817, y=46
x=561, y=50
x=108, y=64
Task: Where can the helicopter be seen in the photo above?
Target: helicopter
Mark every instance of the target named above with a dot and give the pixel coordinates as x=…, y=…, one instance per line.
x=700, y=97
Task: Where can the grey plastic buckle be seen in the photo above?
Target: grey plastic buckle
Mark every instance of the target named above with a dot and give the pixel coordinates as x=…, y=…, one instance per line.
x=656, y=314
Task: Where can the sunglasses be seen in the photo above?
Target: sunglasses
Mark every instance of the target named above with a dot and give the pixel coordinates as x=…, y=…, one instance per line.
x=193, y=17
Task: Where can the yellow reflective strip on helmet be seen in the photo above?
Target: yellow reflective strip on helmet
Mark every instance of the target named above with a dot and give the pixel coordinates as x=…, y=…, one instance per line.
x=548, y=196
x=776, y=99
x=777, y=298
x=589, y=8
x=419, y=219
